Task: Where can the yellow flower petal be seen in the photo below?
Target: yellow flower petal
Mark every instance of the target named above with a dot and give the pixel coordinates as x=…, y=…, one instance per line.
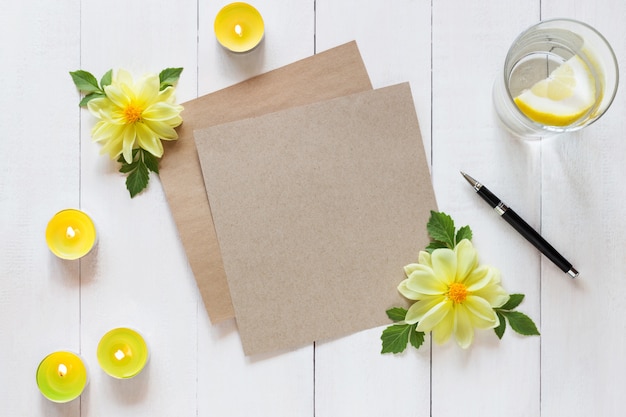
x=408, y=269
x=419, y=309
x=161, y=130
x=481, y=313
x=99, y=105
x=495, y=276
x=478, y=278
x=101, y=131
x=128, y=142
x=118, y=95
x=148, y=140
x=434, y=315
x=113, y=147
x=123, y=77
x=161, y=112
x=463, y=329
x=111, y=136
x=147, y=89
x=494, y=294
x=467, y=259
x=167, y=95
x=444, y=265
x=425, y=281
x=424, y=258
x=407, y=293
x=441, y=332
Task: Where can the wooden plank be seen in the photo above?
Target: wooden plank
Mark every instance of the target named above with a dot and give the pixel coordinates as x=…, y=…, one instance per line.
x=470, y=41
x=139, y=276
x=351, y=376
x=583, y=337
x=570, y=187
x=394, y=40
x=288, y=38
x=228, y=382
x=39, y=155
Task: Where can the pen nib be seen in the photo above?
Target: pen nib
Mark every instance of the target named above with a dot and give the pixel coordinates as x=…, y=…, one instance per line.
x=469, y=179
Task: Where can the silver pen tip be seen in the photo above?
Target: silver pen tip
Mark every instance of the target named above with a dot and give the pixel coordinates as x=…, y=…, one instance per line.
x=572, y=273
x=469, y=179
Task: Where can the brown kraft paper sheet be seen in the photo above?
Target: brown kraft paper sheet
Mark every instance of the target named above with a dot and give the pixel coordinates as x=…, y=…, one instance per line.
x=337, y=72
x=317, y=209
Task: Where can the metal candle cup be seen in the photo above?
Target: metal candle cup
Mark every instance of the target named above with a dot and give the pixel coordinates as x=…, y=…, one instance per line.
x=239, y=27
x=122, y=353
x=70, y=234
x=61, y=376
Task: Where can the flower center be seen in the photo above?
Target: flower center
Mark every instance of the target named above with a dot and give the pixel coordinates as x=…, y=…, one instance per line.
x=457, y=292
x=132, y=113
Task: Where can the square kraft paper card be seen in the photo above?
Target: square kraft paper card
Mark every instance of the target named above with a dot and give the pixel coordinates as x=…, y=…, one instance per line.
x=333, y=73
x=317, y=210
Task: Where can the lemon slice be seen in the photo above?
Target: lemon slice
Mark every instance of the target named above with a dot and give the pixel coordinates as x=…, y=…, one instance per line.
x=562, y=98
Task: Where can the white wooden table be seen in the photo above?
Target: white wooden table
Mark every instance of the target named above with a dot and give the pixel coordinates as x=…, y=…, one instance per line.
x=571, y=188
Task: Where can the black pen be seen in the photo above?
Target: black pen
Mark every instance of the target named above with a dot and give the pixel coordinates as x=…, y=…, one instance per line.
x=522, y=227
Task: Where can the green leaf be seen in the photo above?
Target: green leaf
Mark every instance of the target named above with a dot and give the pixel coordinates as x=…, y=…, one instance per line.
x=464, y=233
x=139, y=170
x=395, y=338
x=151, y=161
x=137, y=180
x=126, y=167
x=85, y=81
x=501, y=327
x=416, y=338
x=107, y=78
x=90, y=97
x=440, y=227
x=435, y=245
x=521, y=323
x=514, y=301
x=169, y=76
x=396, y=313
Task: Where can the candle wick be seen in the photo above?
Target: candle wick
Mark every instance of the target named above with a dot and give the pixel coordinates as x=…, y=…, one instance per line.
x=70, y=233
x=119, y=355
x=238, y=30
x=62, y=370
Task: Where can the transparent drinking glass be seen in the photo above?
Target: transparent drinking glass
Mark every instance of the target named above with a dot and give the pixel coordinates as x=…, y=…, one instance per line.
x=559, y=76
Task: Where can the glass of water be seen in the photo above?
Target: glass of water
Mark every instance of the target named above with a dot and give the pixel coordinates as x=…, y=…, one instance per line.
x=559, y=76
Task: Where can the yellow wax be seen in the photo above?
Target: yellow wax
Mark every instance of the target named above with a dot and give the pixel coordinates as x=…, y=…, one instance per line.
x=61, y=376
x=239, y=27
x=122, y=353
x=70, y=234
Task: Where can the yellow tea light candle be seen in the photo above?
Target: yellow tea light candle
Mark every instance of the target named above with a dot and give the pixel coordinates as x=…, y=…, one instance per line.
x=70, y=234
x=239, y=27
x=61, y=376
x=122, y=353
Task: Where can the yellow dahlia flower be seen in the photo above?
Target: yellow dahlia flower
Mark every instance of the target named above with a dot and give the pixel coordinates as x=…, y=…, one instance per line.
x=134, y=114
x=454, y=294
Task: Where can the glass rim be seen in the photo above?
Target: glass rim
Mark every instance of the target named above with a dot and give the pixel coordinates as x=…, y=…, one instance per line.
x=608, y=99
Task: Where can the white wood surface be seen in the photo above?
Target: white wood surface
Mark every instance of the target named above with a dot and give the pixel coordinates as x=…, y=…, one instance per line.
x=571, y=187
